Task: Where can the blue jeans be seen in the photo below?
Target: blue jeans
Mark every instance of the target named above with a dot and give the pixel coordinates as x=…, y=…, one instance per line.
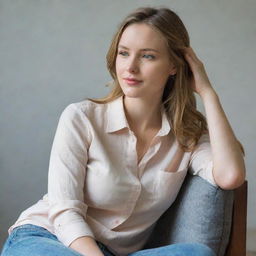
x=31, y=240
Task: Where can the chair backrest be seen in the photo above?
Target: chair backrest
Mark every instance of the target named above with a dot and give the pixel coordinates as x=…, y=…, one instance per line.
x=201, y=213
x=237, y=241
x=205, y=214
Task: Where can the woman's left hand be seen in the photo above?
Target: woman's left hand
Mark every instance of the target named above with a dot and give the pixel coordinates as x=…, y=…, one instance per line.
x=200, y=81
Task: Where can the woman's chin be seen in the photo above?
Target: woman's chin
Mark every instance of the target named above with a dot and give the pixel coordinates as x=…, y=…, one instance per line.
x=132, y=93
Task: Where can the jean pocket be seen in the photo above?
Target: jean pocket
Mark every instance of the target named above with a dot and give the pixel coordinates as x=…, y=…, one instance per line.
x=16, y=234
x=28, y=227
x=32, y=230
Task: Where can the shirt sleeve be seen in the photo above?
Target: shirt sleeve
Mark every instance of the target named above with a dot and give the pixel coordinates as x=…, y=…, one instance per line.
x=67, y=171
x=201, y=162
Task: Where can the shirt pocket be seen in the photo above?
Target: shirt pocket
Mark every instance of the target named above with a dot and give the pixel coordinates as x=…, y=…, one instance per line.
x=167, y=185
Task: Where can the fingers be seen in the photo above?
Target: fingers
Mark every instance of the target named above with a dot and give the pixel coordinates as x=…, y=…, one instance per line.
x=189, y=52
x=191, y=57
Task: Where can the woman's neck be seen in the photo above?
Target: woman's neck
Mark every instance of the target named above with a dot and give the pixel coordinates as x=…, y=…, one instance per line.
x=142, y=114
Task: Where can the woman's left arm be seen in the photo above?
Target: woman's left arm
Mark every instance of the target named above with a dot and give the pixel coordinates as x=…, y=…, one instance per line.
x=228, y=162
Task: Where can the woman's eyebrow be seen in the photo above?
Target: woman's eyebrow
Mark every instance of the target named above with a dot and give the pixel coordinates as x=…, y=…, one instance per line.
x=144, y=49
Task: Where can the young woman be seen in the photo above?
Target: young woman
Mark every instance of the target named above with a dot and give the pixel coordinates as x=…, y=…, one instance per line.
x=117, y=163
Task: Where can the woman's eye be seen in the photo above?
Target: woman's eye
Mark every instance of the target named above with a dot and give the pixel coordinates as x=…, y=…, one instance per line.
x=150, y=56
x=122, y=53
x=147, y=56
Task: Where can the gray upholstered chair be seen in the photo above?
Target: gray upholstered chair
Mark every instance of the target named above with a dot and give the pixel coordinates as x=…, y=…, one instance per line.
x=205, y=214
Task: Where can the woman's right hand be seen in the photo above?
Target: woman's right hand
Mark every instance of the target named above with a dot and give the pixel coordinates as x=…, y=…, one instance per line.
x=86, y=246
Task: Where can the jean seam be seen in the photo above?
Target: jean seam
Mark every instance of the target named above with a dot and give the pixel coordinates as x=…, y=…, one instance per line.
x=10, y=241
x=15, y=232
x=25, y=227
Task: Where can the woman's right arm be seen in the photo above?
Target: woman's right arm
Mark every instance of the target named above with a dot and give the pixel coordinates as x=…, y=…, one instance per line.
x=66, y=179
x=86, y=246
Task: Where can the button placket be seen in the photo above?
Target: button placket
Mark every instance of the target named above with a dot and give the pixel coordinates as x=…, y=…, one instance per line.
x=131, y=204
x=131, y=154
x=149, y=154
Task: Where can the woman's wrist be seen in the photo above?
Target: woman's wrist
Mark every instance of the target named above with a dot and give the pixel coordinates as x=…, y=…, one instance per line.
x=86, y=246
x=208, y=93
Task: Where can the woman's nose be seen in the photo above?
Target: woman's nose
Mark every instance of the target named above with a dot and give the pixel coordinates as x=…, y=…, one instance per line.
x=132, y=65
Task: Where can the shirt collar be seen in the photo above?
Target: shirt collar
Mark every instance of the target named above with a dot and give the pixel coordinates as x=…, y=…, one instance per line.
x=116, y=119
x=165, y=129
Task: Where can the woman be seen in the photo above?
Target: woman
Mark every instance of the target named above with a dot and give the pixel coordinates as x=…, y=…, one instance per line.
x=117, y=163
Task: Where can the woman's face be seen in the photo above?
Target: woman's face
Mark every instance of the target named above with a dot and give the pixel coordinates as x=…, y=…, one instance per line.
x=143, y=55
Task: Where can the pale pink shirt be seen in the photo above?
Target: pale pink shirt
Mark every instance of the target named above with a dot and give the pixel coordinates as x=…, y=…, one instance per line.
x=96, y=187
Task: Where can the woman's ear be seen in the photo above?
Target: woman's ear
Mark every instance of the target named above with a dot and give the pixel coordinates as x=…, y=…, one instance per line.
x=173, y=70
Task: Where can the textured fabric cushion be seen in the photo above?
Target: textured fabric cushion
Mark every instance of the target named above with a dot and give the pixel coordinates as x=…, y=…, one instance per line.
x=201, y=213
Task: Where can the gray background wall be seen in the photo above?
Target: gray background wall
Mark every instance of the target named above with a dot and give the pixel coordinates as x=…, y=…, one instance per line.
x=52, y=53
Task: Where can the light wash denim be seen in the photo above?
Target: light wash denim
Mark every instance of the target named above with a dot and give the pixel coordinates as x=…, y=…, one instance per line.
x=31, y=240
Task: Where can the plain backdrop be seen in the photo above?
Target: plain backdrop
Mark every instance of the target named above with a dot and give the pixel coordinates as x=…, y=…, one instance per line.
x=52, y=53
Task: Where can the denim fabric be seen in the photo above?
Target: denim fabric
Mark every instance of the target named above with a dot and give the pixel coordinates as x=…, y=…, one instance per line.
x=182, y=249
x=31, y=240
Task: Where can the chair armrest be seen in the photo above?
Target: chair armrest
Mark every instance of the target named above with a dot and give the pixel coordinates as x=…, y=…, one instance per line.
x=237, y=241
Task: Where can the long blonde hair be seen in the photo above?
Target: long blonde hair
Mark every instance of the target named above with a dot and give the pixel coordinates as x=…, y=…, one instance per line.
x=178, y=99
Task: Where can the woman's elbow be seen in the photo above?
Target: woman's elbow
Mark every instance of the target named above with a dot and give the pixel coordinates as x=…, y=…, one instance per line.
x=231, y=180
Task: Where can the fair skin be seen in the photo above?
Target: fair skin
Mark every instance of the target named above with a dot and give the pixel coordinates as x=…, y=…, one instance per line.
x=87, y=246
x=142, y=103
x=228, y=162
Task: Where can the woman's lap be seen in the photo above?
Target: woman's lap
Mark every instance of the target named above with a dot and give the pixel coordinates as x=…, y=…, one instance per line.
x=31, y=240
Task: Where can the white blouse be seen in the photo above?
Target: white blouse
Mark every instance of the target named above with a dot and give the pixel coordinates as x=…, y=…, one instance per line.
x=97, y=188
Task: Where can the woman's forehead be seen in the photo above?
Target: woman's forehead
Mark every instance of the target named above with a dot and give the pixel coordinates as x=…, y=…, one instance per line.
x=142, y=36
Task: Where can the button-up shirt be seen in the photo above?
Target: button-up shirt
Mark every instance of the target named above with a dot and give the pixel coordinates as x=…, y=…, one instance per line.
x=97, y=187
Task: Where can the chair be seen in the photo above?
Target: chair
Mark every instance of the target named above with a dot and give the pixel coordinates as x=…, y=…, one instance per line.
x=206, y=214
x=237, y=240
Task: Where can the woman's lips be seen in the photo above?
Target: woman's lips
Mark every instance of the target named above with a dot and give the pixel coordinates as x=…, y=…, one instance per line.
x=132, y=81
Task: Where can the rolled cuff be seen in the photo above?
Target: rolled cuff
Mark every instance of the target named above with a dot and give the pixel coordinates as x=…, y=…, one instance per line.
x=70, y=232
